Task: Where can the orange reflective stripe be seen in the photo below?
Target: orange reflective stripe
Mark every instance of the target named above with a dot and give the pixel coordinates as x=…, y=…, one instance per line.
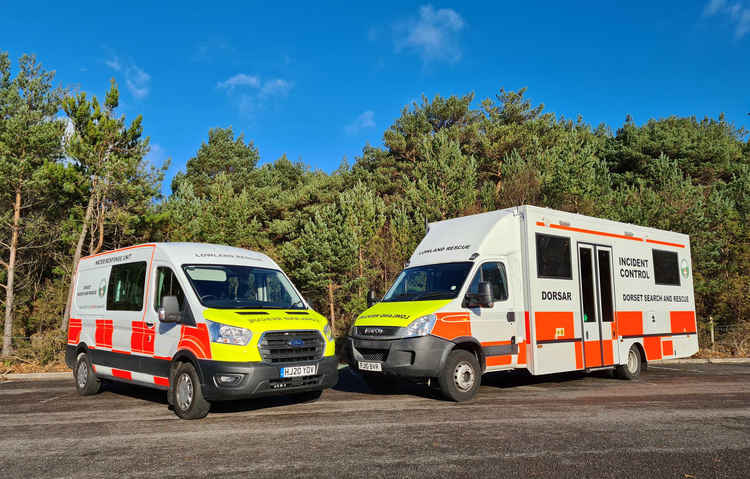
x=682, y=321
x=667, y=348
x=499, y=360
x=630, y=323
x=579, y=355
x=452, y=325
x=549, y=325
x=665, y=243
x=594, y=232
x=652, y=345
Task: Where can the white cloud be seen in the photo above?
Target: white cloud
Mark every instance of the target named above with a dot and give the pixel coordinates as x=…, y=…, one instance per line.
x=276, y=87
x=114, y=63
x=251, y=93
x=137, y=81
x=737, y=14
x=365, y=120
x=434, y=35
x=238, y=80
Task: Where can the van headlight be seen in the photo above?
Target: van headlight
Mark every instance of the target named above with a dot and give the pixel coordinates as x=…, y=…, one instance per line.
x=328, y=332
x=225, y=334
x=421, y=326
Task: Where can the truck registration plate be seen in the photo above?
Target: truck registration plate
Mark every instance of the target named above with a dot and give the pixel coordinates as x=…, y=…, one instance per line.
x=297, y=371
x=370, y=366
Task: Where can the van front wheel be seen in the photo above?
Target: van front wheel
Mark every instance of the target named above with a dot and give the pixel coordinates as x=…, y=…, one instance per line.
x=460, y=378
x=189, y=402
x=86, y=381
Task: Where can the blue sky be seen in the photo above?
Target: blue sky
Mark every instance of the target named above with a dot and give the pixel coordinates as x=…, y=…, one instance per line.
x=318, y=82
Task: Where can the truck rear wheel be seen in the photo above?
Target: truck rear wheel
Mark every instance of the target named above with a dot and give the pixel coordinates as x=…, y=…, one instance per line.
x=460, y=378
x=189, y=402
x=632, y=368
x=86, y=381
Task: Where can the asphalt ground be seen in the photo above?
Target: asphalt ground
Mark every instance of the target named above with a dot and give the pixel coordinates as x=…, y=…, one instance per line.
x=677, y=421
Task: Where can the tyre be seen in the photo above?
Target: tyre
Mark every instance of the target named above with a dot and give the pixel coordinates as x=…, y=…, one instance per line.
x=632, y=368
x=460, y=378
x=86, y=381
x=379, y=383
x=189, y=402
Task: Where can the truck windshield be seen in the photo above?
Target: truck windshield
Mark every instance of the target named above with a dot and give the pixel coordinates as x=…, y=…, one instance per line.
x=242, y=287
x=434, y=281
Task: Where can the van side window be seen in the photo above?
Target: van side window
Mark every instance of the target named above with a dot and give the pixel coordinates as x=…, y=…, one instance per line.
x=666, y=270
x=167, y=285
x=553, y=257
x=126, y=285
x=493, y=273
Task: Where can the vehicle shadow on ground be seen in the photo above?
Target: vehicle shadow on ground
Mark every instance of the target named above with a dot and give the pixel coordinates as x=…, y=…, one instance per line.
x=160, y=397
x=352, y=382
x=521, y=377
x=134, y=391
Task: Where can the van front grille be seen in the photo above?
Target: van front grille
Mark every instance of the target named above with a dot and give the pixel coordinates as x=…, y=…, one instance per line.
x=373, y=354
x=291, y=346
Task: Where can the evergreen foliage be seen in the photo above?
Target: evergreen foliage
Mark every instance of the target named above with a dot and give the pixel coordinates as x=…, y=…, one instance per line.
x=338, y=235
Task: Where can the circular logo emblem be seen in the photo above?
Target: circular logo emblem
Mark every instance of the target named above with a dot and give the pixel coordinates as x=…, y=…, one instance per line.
x=684, y=268
x=102, y=288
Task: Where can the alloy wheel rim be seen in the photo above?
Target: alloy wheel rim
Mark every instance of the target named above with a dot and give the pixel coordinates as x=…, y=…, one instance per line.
x=184, y=391
x=82, y=374
x=463, y=376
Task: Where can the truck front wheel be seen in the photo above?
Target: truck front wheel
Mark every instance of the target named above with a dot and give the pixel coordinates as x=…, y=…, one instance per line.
x=460, y=378
x=189, y=402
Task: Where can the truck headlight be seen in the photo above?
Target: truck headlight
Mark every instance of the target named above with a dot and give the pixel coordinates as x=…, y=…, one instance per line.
x=421, y=326
x=225, y=334
x=328, y=332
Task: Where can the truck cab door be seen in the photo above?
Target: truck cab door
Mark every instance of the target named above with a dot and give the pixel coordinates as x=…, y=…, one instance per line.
x=495, y=327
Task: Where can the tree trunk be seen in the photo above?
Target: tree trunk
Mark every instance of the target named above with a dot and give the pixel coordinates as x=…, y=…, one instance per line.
x=76, y=259
x=330, y=304
x=8, y=332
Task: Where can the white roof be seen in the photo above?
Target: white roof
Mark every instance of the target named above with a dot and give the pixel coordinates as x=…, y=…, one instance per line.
x=205, y=253
x=457, y=239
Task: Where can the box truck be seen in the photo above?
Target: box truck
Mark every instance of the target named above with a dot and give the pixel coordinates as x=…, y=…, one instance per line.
x=204, y=322
x=529, y=288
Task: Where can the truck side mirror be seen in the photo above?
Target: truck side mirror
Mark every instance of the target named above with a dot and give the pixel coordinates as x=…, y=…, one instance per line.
x=484, y=298
x=170, y=310
x=371, y=298
x=481, y=299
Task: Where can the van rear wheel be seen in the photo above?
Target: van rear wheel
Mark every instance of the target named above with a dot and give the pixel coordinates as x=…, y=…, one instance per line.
x=86, y=381
x=460, y=378
x=632, y=368
x=189, y=402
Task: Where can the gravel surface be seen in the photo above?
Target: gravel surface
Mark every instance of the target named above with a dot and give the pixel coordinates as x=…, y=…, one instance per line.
x=678, y=420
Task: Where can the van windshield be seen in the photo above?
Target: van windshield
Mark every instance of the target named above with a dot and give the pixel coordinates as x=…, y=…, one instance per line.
x=242, y=287
x=434, y=281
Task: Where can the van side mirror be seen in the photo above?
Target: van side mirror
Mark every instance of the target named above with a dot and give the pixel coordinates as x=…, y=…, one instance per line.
x=371, y=298
x=170, y=310
x=482, y=299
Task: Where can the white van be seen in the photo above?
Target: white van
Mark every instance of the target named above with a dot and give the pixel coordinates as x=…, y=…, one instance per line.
x=530, y=288
x=204, y=322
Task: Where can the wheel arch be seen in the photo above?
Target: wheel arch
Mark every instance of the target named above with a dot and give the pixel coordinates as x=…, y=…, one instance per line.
x=469, y=343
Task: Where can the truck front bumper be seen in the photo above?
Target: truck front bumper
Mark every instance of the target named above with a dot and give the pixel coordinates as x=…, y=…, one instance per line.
x=260, y=379
x=421, y=357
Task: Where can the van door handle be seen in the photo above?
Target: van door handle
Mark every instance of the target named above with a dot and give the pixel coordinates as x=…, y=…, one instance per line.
x=511, y=316
x=150, y=325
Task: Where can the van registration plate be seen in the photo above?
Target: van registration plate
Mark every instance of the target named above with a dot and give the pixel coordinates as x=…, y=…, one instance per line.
x=297, y=371
x=370, y=366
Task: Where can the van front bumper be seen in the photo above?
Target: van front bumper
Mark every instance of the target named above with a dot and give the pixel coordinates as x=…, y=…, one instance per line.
x=260, y=379
x=421, y=357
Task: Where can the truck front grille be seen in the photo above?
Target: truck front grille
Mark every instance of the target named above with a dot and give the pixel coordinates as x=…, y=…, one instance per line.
x=373, y=354
x=291, y=346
